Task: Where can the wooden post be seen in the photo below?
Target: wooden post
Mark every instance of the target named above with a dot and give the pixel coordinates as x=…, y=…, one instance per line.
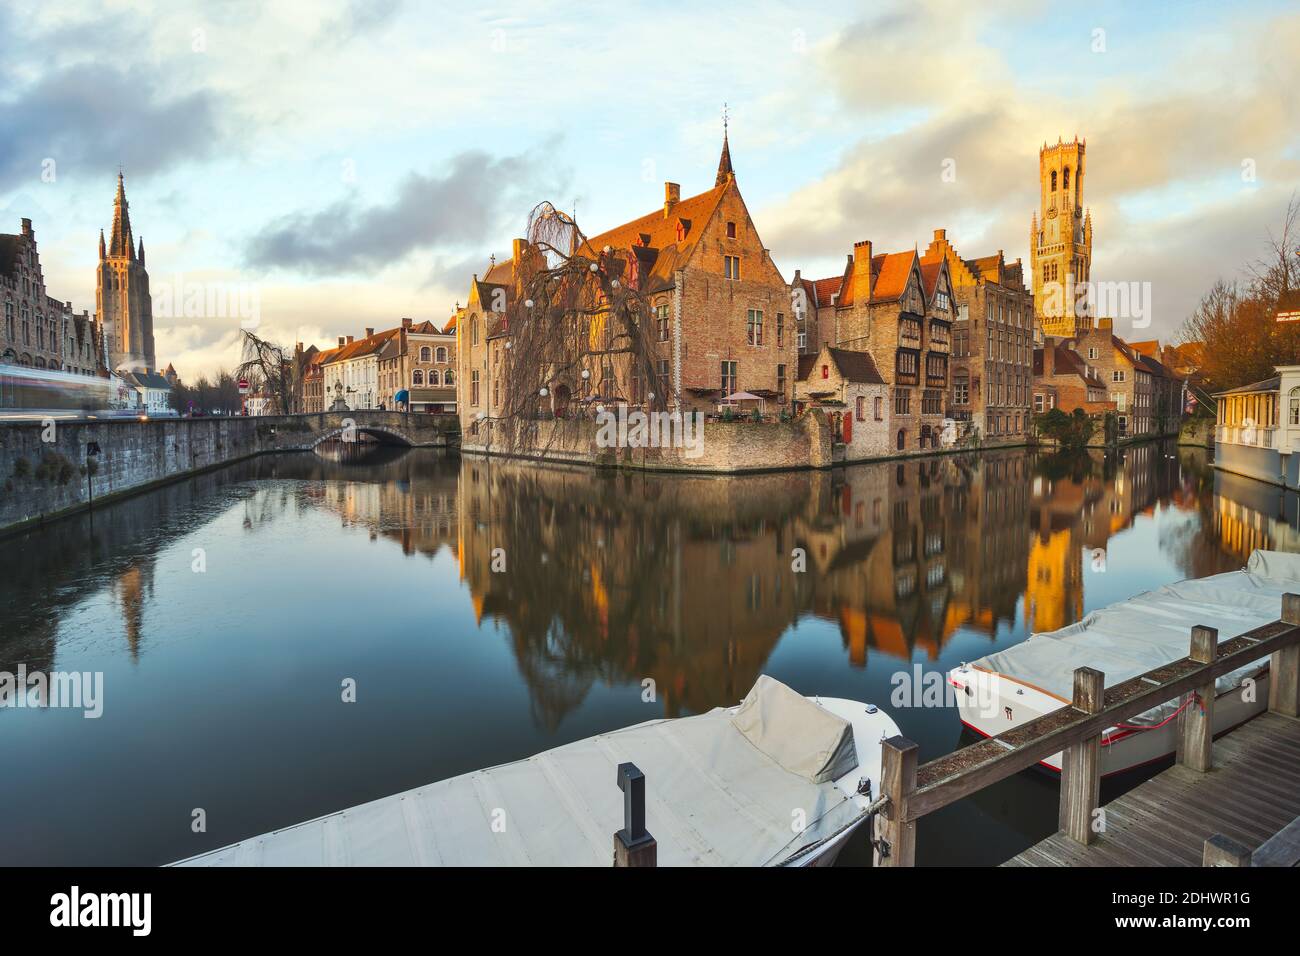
x=633, y=845
x=1196, y=742
x=1284, y=667
x=1081, y=762
x=898, y=773
x=1220, y=851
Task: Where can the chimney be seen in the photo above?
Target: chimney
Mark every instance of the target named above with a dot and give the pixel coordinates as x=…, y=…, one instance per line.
x=672, y=196
x=370, y=333
x=941, y=235
x=349, y=340
x=342, y=342
x=862, y=271
x=1049, y=356
x=27, y=229
x=406, y=323
x=517, y=249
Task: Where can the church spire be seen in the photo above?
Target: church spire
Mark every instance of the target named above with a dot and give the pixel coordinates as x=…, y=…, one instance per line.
x=725, y=171
x=140, y=255
x=119, y=243
x=101, y=244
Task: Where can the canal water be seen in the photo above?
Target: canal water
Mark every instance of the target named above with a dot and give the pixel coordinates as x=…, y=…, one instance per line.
x=482, y=611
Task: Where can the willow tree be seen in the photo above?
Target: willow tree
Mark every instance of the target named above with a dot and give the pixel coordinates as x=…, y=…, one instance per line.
x=579, y=334
x=269, y=368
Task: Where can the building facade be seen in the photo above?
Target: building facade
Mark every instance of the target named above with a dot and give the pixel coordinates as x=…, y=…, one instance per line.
x=429, y=371
x=720, y=308
x=902, y=314
x=1060, y=240
x=849, y=388
x=122, y=299
x=992, y=344
x=351, y=373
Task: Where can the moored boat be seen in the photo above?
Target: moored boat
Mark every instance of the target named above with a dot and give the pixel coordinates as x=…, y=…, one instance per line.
x=1011, y=687
x=778, y=780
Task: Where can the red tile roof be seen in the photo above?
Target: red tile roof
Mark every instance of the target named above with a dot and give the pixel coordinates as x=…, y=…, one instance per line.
x=892, y=271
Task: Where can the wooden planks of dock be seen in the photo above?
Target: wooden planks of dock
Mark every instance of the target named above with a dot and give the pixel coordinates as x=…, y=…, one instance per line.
x=1252, y=792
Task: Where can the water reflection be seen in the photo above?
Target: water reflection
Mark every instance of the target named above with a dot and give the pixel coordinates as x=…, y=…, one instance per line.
x=526, y=605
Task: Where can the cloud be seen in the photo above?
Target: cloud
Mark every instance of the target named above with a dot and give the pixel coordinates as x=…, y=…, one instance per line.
x=1167, y=140
x=91, y=115
x=464, y=205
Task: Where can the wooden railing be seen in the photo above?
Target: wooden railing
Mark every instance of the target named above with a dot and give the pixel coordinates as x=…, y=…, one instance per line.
x=1075, y=731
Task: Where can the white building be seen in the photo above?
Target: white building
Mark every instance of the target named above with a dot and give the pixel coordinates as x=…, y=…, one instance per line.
x=352, y=375
x=153, y=391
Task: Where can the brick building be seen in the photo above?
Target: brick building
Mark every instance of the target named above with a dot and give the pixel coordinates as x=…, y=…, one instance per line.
x=1062, y=379
x=37, y=328
x=849, y=387
x=721, y=308
x=992, y=343
x=902, y=314
x=1060, y=243
x=430, y=366
x=1147, y=395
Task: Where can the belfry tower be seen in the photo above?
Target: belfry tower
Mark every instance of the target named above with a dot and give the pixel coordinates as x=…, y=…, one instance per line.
x=122, y=293
x=1060, y=243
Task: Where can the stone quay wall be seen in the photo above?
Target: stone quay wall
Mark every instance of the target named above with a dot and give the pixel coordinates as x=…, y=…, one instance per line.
x=55, y=468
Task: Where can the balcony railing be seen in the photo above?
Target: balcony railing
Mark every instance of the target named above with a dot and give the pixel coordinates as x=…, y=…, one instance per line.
x=1256, y=436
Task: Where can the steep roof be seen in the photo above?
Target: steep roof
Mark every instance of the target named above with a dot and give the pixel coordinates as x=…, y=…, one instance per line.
x=892, y=270
x=853, y=366
x=930, y=276
x=362, y=347
x=658, y=229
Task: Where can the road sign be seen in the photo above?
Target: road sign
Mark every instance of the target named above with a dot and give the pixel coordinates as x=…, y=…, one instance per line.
x=243, y=386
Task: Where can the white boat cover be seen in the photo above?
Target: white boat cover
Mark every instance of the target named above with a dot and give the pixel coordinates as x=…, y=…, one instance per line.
x=1154, y=628
x=796, y=733
x=722, y=789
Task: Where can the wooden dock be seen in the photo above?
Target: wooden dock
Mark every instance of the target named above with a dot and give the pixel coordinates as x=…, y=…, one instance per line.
x=1235, y=793
x=1252, y=793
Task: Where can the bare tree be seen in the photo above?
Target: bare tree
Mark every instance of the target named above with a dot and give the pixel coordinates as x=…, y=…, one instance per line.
x=578, y=333
x=269, y=368
x=1236, y=321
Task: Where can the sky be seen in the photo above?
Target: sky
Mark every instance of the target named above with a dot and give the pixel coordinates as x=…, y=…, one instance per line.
x=335, y=165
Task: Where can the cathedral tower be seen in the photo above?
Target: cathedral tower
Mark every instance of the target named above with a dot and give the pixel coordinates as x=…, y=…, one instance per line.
x=1060, y=240
x=122, y=293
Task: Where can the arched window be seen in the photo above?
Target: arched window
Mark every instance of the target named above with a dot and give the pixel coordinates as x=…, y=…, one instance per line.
x=473, y=330
x=1053, y=180
x=417, y=377
x=1065, y=178
x=448, y=378
x=425, y=352
x=433, y=376
x=902, y=438
x=441, y=354
x=1293, y=413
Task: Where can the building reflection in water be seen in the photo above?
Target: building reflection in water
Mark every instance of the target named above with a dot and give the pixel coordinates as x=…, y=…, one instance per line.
x=610, y=579
x=689, y=581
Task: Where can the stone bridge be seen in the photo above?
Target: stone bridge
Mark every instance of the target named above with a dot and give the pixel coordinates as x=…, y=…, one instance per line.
x=411, y=429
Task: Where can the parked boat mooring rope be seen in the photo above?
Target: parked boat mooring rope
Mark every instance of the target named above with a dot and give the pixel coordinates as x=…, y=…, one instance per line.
x=869, y=813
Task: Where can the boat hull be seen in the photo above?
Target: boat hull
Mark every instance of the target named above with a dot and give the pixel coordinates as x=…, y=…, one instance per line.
x=990, y=704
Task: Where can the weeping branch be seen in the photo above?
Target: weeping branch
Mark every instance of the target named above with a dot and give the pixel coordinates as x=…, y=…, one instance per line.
x=579, y=333
x=269, y=369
